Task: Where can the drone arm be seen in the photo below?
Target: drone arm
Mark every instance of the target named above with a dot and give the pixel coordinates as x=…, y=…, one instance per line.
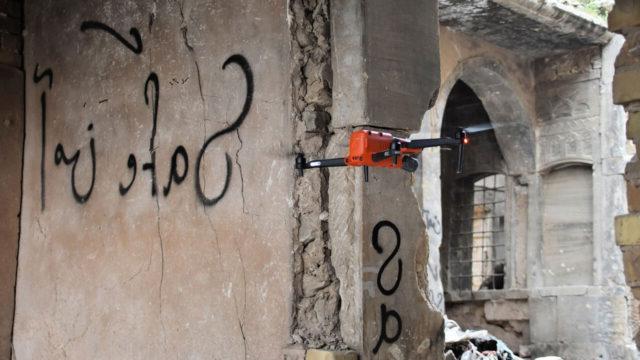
x=302, y=163
x=426, y=143
x=325, y=163
x=461, y=139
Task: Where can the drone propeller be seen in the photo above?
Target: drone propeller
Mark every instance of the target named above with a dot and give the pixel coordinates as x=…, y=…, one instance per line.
x=474, y=129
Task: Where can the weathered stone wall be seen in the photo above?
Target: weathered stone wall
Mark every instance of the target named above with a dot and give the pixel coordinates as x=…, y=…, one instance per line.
x=157, y=217
x=505, y=85
x=625, y=19
x=581, y=158
x=562, y=104
x=11, y=139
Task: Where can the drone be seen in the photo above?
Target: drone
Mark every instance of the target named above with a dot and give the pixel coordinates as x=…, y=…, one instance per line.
x=368, y=148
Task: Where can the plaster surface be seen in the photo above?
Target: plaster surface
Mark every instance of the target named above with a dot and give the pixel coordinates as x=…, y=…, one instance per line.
x=113, y=262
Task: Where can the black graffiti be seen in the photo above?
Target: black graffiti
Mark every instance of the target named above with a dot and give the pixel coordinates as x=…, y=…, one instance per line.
x=384, y=313
x=434, y=271
x=178, y=173
x=131, y=164
x=384, y=336
x=433, y=222
x=151, y=166
x=60, y=156
x=376, y=245
x=437, y=300
x=48, y=73
x=174, y=176
x=95, y=25
x=246, y=69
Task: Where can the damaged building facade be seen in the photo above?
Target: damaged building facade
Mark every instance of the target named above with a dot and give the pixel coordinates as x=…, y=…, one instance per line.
x=151, y=208
x=527, y=248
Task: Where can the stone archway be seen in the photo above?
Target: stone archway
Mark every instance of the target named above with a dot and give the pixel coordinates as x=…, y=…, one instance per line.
x=511, y=121
x=513, y=126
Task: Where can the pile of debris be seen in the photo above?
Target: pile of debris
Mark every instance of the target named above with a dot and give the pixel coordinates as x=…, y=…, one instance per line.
x=473, y=344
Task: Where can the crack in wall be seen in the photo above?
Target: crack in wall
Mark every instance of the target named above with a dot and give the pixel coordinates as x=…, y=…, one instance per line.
x=244, y=211
x=315, y=319
x=161, y=242
x=184, y=29
x=192, y=53
x=240, y=317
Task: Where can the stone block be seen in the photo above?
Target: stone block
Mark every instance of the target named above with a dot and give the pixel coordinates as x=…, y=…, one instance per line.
x=628, y=229
x=625, y=85
x=573, y=318
x=505, y=310
x=628, y=54
x=631, y=258
x=633, y=126
x=331, y=355
x=625, y=14
x=632, y=172
x=633, y=197
x=543, y=324
x=294, y=352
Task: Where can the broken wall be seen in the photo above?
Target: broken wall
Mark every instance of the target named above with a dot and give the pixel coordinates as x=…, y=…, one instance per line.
x=479, y=64
x=562, y=104
x=162, y=213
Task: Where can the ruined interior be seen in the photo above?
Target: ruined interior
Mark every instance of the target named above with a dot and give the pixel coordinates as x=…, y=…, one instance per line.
x=159, y=198
x=525, y=248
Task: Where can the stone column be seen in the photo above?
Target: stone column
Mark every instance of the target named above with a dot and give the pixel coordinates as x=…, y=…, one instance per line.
x=625, y=19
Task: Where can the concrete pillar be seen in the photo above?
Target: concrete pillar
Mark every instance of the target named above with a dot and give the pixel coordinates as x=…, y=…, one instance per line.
x=385, y=74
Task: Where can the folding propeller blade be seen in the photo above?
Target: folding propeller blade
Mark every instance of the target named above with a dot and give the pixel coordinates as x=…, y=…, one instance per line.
x=478, y=128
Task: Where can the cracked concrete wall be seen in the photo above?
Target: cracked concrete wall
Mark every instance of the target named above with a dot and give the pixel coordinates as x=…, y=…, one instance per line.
x=158, y=181
x=163, y=217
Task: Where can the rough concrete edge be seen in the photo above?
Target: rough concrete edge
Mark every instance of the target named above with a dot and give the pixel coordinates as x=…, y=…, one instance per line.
x=315, y=321
x=331, y=355
x=345, y=185
x=575, y=21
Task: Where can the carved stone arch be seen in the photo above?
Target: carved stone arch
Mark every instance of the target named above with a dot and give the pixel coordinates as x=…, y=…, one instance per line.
x=565, y=163
x=511, y=121
x=514, y=134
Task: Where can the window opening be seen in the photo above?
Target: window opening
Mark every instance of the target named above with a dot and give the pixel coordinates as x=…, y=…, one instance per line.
x=478, y=252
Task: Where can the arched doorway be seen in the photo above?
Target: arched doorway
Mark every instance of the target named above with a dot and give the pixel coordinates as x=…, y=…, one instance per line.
x=473, y=203
x=485, y=81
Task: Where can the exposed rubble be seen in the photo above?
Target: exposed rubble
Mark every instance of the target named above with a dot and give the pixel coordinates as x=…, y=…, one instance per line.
x=476, y=345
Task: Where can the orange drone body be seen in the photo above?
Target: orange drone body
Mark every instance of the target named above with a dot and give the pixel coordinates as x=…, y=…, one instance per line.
x=364, y=143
